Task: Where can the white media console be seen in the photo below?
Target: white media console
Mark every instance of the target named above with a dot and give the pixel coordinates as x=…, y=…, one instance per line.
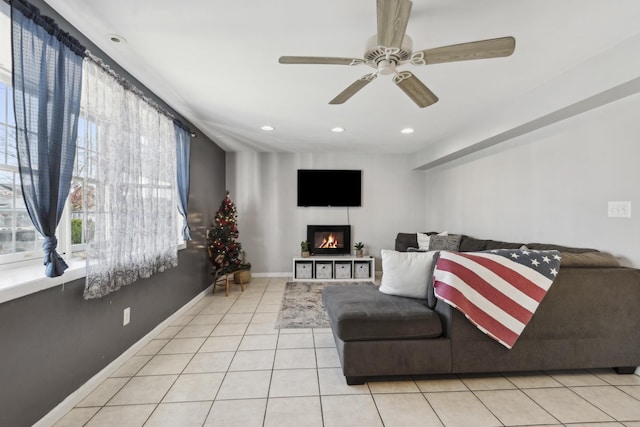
x=334, y=268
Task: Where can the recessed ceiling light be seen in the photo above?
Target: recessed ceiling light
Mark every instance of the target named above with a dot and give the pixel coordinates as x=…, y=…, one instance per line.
x=337, y=129
x=406, y=130
x=267, y=127
x=116, y=38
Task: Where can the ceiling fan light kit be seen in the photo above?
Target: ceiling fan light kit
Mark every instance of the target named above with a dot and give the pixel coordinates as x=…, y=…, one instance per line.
x=391, y=48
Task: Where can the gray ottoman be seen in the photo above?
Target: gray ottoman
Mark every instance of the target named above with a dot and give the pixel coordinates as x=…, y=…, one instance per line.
x=362, y=313
x=378, y=334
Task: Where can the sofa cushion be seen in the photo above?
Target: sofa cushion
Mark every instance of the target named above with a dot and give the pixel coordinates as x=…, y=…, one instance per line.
x=405, y=241
x=424, y=239
x=449, y=242
x=406, y=274
x=549, y=247
x=588, y=259
x=361, y=313
x=471, y=244
x=496, y=244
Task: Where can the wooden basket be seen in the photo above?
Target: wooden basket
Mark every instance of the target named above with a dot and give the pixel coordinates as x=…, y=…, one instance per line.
x=242, y=276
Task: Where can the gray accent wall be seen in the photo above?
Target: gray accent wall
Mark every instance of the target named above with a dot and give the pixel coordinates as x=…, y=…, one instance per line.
x=53, y=341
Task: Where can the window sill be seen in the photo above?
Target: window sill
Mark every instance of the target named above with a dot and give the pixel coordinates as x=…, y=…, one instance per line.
x=29, y=278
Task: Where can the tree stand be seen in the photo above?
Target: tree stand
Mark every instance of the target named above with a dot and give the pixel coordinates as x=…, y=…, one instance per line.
x=222, y=279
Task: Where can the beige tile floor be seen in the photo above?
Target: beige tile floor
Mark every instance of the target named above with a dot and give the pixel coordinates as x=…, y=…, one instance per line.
x=224, y=364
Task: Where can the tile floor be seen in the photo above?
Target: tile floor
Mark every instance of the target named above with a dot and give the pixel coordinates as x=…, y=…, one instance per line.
x=224, y=364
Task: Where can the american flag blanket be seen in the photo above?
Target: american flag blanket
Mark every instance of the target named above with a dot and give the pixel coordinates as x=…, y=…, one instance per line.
x=498, y=290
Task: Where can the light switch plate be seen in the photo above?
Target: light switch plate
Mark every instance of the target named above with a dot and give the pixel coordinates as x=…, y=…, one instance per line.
x=619, y=210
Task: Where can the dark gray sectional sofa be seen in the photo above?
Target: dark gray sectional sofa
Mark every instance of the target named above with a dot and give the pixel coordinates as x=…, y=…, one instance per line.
x=590, y=318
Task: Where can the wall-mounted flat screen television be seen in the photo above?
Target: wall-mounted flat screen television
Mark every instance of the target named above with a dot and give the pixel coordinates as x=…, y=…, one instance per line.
x=329, y=187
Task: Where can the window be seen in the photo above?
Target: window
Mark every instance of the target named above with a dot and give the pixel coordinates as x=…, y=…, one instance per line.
x=18, y=236
x=82, y=196
x=19, y=240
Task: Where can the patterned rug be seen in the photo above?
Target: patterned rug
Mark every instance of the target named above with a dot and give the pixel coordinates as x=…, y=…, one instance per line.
x=302, y=305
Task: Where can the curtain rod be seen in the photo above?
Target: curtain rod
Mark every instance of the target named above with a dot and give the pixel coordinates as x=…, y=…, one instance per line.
x=48, y=23
x=132, y=88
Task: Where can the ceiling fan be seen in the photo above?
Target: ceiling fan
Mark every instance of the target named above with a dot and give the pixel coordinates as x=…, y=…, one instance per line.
x=391, y=47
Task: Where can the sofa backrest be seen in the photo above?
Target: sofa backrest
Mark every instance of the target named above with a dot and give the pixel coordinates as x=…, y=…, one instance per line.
x=404, y=241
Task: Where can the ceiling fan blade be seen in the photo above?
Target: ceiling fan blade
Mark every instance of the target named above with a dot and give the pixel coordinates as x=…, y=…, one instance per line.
x=353, y=88
x=415, y=89
x=393, y=16
x=319, y=60
x=492, y=48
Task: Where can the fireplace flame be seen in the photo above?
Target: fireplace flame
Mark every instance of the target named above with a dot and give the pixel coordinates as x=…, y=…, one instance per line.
x=329, y=242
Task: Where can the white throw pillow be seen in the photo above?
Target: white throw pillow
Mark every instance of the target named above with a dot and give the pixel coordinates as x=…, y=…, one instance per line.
x=406, y=274
x=424, y=239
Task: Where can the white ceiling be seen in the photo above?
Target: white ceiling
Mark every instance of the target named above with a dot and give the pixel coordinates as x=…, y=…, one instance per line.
x=216, y=63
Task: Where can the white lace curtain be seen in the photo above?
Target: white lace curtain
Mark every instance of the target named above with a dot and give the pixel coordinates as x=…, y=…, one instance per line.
x=135, y=220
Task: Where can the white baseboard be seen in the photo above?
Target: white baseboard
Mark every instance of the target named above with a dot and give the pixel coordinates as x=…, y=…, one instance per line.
x=85, y=389
x=286, y=274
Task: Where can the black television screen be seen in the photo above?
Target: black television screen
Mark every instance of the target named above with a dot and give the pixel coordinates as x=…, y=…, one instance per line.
x=324, y=187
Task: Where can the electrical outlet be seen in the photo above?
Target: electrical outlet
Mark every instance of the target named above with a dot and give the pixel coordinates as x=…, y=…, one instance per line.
x=126, y=316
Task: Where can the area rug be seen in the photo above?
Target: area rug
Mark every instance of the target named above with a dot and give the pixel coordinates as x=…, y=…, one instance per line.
x=302, y=304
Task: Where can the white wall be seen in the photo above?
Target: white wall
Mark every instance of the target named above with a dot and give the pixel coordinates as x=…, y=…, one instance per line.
x=263, y=186
x=550, y=186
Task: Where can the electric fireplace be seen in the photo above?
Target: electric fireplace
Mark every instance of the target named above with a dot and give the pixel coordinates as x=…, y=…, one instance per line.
x=329, y=239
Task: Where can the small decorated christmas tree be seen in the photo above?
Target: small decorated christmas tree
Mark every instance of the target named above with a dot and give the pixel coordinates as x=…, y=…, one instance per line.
x=225, y=252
